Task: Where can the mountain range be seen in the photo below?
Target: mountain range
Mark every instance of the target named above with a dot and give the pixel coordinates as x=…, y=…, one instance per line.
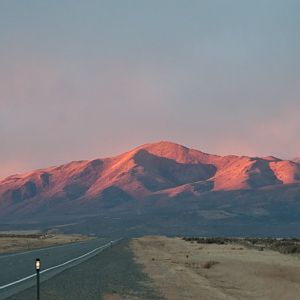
x=160, y=179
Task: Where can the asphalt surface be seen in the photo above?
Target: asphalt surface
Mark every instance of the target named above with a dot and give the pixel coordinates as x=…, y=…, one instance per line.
x=111, y=274
x=14, y=268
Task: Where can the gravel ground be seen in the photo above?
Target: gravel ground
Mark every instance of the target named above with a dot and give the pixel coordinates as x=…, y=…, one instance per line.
x=112, y=274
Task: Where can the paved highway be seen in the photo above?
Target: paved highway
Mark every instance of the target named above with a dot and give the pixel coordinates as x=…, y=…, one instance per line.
x=17, y=270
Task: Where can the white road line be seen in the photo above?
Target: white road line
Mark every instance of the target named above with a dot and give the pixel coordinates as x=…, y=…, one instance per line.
x=16, y=282
x=58, y=266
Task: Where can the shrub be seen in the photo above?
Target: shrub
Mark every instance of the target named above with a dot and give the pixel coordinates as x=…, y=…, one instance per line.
x=209, y=264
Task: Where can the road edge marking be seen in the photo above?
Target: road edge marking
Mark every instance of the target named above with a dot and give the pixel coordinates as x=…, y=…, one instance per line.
x=59, y=265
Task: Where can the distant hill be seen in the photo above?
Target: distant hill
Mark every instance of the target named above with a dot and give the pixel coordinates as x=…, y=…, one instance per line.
x=160, y=178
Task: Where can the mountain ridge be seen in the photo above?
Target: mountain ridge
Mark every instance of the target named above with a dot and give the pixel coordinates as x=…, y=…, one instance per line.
x=163, y=170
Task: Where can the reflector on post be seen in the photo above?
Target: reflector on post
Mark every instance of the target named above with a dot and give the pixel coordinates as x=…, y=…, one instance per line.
x=37, y=264
x=37, y=268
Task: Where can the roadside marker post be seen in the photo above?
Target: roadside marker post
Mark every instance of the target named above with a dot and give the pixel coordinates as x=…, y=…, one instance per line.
x=37, y=268
x=64, y=265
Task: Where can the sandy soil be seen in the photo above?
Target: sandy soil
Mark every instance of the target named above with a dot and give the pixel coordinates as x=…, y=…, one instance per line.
x=10, y=244
x=185, y=270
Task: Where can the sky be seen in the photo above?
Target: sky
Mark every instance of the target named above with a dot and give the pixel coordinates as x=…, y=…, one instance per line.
x=89, y=79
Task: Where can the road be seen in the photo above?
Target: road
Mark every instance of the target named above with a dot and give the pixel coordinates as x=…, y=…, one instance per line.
x=17, y=270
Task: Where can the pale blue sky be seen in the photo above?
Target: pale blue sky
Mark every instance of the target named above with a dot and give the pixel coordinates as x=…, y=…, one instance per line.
x=87, y=79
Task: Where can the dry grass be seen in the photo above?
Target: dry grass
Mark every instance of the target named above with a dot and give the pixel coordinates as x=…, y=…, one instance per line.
x=217, y=271
x=21, y=242
x=209, y=264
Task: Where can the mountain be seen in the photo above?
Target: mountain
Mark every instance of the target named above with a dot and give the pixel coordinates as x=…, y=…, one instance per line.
x=296, y=160
x=155, y=178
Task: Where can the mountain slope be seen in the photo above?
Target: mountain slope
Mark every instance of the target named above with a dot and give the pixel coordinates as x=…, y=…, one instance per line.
x=123, y=183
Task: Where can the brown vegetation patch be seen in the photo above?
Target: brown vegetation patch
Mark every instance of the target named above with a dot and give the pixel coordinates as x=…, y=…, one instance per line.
x=209, y=264
x=23, y=242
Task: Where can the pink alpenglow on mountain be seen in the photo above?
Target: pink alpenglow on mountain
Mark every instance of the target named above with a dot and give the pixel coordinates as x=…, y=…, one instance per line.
x=162, y=169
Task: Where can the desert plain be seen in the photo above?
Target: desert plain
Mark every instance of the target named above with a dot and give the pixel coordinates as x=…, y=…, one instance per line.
x=14, y=241
x=159, y=267
x=182, y=269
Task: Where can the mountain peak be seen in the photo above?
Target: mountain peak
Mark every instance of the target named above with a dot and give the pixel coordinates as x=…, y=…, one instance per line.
x=164, y=145
x=174, y=151
x=159, y=168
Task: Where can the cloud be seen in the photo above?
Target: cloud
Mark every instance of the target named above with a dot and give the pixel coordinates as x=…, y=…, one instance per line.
x=274, y=133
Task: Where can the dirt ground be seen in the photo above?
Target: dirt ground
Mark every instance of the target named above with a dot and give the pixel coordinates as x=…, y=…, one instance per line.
x=187, y=270
x=10, y=243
